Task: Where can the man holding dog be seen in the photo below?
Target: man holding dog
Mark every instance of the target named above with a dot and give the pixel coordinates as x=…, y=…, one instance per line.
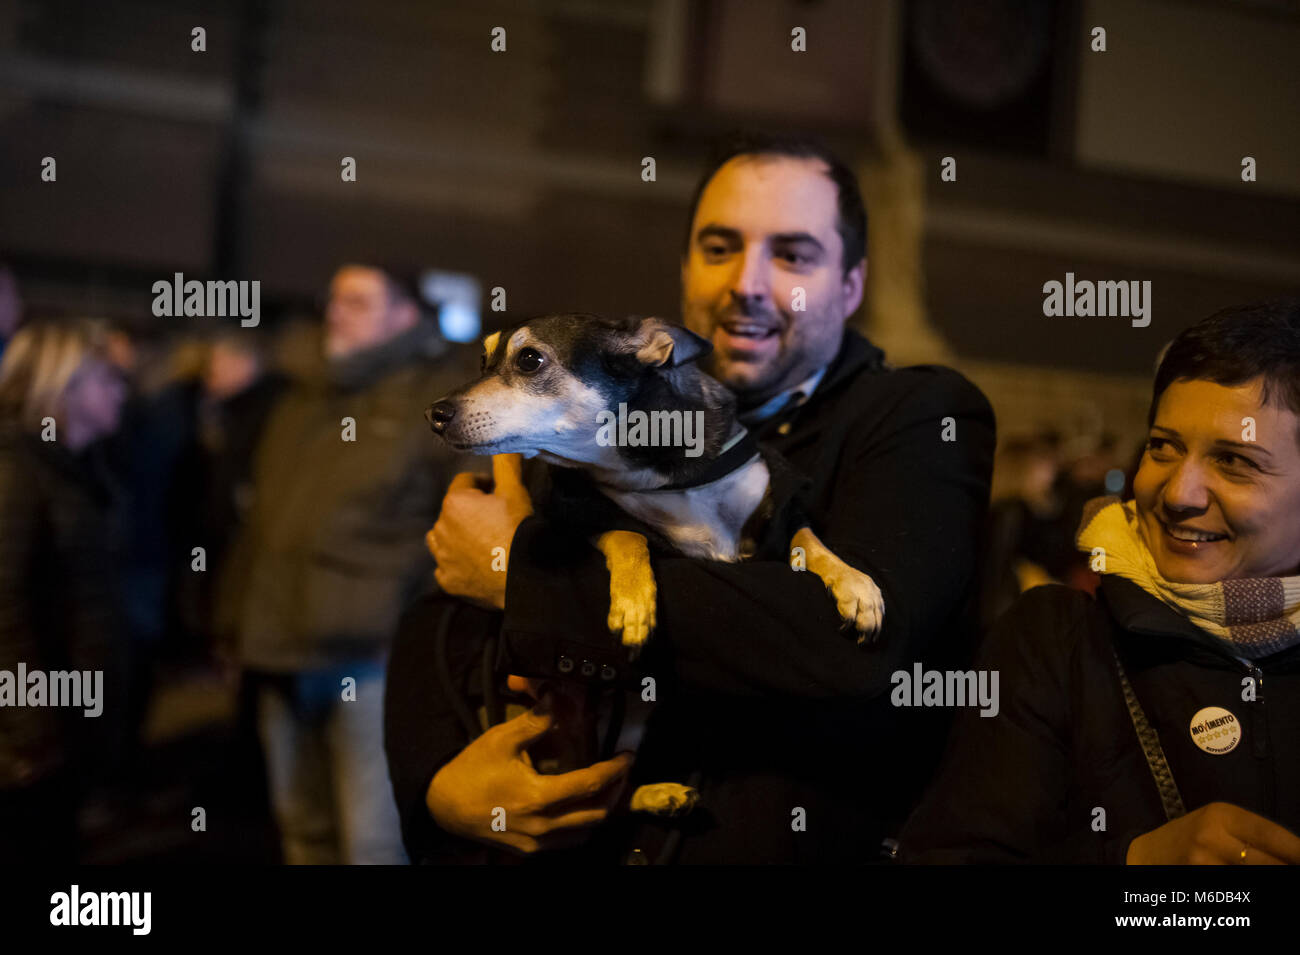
x=782, y=721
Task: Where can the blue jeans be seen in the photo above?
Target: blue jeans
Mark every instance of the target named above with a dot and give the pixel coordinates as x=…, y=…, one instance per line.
x=326, y=766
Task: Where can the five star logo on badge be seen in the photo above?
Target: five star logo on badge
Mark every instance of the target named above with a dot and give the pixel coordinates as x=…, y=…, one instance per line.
x=1215, y=730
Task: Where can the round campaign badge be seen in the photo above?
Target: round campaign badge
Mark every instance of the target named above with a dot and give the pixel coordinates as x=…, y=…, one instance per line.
x=1215, y=730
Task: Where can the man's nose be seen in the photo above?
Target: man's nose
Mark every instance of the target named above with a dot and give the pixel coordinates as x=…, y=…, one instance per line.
x=439, y=415
x=752, y=283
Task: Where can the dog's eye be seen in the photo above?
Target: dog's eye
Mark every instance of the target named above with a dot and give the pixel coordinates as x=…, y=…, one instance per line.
x=528, y=360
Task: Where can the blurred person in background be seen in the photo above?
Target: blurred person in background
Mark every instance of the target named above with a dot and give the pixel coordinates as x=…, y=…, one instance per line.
x=1024, y=508
x=1095, y=468
x=237, y=393
x=1147, y=701
x=1039, y=494
x=60, y=544
x=332, y=550
x=11, y=306
x=148, y=455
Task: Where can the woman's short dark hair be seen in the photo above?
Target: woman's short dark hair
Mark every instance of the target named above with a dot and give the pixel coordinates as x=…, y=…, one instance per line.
x=1237, y=345
x=851, y=223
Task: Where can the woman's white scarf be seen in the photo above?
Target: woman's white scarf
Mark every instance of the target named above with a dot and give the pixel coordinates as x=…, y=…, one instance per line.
x=1257, y=616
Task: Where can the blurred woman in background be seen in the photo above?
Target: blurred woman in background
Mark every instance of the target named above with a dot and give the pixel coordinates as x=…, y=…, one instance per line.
x=59, y=546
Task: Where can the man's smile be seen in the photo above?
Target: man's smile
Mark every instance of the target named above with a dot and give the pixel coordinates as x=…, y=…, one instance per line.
x=748, y=339
x=749, y=328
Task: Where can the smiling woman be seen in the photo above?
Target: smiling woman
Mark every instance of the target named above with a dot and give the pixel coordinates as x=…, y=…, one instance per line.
x=1218, y=492
x=1136, y=729
x=1214, y=529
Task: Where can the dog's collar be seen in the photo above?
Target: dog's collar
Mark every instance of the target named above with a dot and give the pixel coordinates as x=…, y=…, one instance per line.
x=734, y=454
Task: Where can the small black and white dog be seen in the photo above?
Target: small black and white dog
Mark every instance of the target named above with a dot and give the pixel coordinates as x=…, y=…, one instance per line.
x=624, y=401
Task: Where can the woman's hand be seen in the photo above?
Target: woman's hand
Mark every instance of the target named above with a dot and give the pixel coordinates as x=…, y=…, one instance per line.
x=1216, y=834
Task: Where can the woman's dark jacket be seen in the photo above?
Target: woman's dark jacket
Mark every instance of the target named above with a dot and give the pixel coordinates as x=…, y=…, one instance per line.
x=1025, y=786
x=60, y=541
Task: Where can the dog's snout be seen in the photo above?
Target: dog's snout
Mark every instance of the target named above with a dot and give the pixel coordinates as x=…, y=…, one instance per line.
x=439, y=415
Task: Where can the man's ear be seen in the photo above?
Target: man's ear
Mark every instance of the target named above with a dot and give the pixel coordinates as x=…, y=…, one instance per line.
x=855, y=283
x=665, y=345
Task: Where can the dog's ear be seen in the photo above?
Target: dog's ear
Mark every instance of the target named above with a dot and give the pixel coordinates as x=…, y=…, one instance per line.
x=665, y=345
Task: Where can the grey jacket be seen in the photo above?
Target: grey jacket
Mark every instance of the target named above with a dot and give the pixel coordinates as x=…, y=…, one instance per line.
x=333, y=547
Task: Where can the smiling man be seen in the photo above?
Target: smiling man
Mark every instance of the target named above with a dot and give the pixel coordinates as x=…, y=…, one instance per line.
x=781, y=720
x=774, y=265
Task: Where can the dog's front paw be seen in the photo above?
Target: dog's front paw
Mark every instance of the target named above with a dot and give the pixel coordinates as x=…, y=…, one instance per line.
x=631, y=587
x=632, y=612
x=858, y=600
x=664, y=799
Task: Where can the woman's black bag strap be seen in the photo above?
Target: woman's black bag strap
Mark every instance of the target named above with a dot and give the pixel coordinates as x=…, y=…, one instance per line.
x=1170, y=798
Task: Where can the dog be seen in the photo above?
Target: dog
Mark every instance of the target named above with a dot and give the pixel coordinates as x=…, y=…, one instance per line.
x=624, y=401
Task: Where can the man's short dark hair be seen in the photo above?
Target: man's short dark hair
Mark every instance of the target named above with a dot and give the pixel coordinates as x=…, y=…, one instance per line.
x=1237, y=345
x=851, y=222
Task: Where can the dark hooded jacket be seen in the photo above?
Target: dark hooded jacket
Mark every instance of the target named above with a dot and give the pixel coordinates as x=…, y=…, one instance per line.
x=781, y=718
x=1028, y=784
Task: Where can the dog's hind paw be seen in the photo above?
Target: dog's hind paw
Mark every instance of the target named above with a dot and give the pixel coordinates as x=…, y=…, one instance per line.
x=664, y=799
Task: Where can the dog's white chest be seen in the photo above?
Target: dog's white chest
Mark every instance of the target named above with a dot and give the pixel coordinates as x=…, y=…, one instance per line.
x=703, y=521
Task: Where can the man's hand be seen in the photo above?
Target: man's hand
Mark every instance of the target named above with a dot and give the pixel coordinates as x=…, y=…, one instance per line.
x=1216, y=834
x=493, y=779
x=472, y=524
